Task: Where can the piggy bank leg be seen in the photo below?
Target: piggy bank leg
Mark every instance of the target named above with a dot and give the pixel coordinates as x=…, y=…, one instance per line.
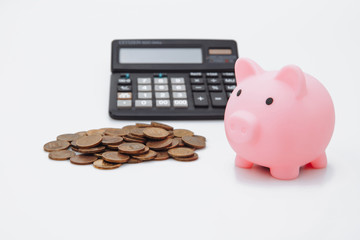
x=242, y=163
x=285, y=173
x=320, y=162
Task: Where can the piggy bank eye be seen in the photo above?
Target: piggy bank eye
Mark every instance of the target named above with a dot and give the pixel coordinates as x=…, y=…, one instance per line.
x=269, y=101
x=238, y=92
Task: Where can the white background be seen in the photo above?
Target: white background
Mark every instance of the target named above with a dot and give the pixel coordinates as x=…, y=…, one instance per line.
x=55, y=74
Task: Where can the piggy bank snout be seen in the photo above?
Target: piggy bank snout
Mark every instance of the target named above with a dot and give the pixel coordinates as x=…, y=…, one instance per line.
x=244, y=126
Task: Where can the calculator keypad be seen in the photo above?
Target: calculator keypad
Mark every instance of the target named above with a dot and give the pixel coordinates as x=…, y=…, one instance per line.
x=124, y=95
x=200, y=99
x=124, y=88
x=162, y=95
x=143, y=103
x=192, y=90
x=163, y=103
x=123, y=103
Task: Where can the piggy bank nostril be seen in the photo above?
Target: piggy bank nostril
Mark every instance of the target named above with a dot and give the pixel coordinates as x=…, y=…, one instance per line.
x=233, y=126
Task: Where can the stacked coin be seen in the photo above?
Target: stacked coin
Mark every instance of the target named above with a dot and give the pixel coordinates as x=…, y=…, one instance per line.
x=109, y=148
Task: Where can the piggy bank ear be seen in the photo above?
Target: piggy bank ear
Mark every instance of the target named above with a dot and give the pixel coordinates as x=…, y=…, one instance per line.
x=245, y=68
x=293, y=76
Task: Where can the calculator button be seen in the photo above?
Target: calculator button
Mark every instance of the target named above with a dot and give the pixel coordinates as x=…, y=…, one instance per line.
x=228, y=74
x=124, y=81
x=180, y=95
x=143, y=103
x=195, y=74
x=228, y=94
x=164, y=95
x=197, y=81
x=178, y=88
x=144, y=88
x=180, y=103
x=200, y=99
x=160, y=81
x=230, y=88
x=144, y=95
x=123, y=103
x=229, y=81
x=218, y=99
x=163, y=103
x=124, y=95
x=179, y=80
x=215, y=88
x=213, y=81
x=198, y=88
x=144, y=80
x=124, y=88
x=161, y=88
x=212, y=74
x=125, y=75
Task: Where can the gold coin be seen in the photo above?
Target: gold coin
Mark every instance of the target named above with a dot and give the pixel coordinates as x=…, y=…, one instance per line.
x=181, y=152
x=142, y=125
x=68, y=137
x=196, y=142
x=134, y=140
x=147, y=156
x=95, y=132
x=56, y=145
x=137, y=132
x=97, y=149
x=115, y=157
x=187, y=159
x=159, y=145
x=136, y=137
x=129, y=127
x=182, y=132
x=131, y=148
x=146, y=149
x=76, y=149
x=181, y=143
x=73, y=143
x=171, y=134
x=163, y=155
x=161, y=125
x=113, y=146
x=134, y=160
x=155, y=133
x=116, y=132
x=83, y=159
x=101, y=164
x=61, y=155
x=174, y=143
x=81, y=134
x=202, y=137
x=89, y=141
x=111, y=140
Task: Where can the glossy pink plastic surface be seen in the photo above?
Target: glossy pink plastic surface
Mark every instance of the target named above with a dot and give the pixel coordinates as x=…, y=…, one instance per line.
x=292, y=131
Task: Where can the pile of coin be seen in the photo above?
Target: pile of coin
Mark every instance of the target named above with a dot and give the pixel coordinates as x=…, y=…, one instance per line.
x=109, y=148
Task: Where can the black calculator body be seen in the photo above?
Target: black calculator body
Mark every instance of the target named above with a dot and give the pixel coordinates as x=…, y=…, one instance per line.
x=171, y=79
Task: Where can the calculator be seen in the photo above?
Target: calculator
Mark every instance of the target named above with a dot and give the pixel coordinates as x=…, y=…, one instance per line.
x=171, y=79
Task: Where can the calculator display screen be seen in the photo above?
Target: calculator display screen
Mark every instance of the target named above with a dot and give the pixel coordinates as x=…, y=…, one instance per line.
x=160, y=55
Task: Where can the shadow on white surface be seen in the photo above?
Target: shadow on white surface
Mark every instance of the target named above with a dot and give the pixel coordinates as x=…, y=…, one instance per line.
x=258, y=175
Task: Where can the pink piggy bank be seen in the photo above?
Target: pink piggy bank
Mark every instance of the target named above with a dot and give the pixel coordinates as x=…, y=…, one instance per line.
x=278, y=119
